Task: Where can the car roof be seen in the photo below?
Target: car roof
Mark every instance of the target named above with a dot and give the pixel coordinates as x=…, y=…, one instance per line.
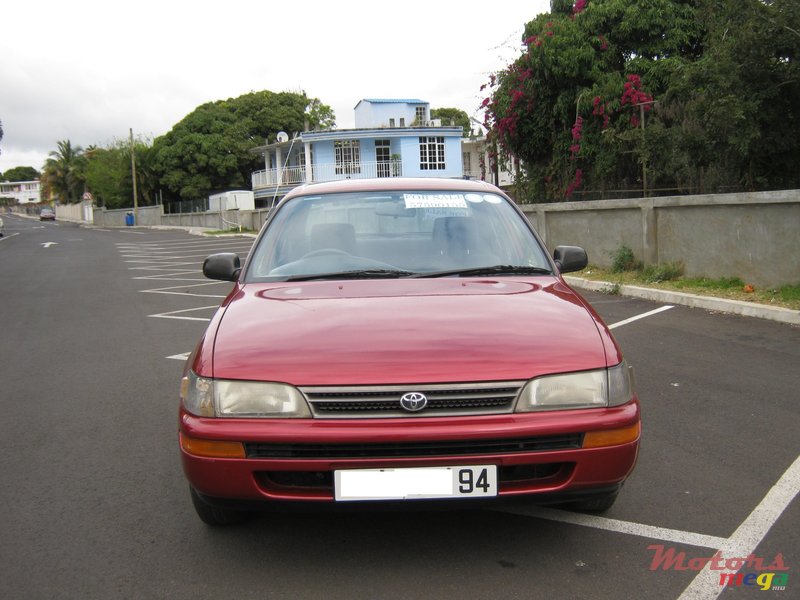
x=394, y=184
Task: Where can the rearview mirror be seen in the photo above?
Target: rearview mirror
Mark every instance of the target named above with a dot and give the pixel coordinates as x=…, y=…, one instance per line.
x=393, y=209
x=224, y=266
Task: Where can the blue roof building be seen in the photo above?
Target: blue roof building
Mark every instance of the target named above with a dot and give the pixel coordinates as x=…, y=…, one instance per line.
x=391, y=138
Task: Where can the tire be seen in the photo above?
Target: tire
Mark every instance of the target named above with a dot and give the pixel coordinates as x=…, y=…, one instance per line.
x=215, y=515
x=594, y=504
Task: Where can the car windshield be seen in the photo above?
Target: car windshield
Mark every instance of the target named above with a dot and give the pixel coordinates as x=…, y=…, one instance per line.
x=395, y=234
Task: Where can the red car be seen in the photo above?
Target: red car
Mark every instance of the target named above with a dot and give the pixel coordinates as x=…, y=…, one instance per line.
x=403, y=339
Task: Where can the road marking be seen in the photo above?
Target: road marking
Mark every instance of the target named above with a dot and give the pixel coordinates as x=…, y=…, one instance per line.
x=183, y=294
x=48, y=244
x=170, y=315
x=9, y=236
x=176, y=267
x=183, y=356
x=642, y=316
x=167, y=278
x=741, y=544
x=745, y=540
x=597, y=522
x=136, y=232
x=182, y=287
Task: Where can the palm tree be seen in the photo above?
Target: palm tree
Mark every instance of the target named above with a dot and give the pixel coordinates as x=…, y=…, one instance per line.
x=64, y=172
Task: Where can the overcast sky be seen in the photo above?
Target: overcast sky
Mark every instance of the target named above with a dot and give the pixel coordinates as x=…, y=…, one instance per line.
x=89, y=70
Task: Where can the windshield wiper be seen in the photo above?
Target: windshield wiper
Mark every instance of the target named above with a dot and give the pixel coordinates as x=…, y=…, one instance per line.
x=492, y=270
x=357, y=274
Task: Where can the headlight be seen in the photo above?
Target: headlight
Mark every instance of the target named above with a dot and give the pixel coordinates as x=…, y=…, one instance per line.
x=588, y=389
x=226, y=398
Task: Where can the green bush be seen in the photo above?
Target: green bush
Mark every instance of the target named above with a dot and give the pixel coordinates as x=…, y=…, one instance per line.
x=624, y=260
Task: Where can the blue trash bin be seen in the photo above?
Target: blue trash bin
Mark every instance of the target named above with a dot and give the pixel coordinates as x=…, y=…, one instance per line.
x=129, y=219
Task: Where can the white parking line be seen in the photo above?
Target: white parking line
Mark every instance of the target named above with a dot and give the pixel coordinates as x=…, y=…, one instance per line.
x=597, y=522
x=170, y=315
x=642, y=316
x=167, y=266
x=740, y=545
x=744, y=541
x=169, y=290
x=183, y=356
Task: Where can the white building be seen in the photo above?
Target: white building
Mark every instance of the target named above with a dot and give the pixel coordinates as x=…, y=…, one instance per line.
x=24, y=192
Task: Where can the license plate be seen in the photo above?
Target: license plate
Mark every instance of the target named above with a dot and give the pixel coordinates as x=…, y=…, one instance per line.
x=416, y=483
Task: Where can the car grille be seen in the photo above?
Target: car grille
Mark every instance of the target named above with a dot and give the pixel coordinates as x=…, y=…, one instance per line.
x=414, y=449
x=363, y=402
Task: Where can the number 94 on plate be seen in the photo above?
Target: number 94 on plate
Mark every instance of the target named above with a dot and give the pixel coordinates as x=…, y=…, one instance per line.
x=467, y=481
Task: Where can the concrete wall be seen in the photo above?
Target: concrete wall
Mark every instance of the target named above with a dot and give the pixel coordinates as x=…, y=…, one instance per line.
x=248, y=219
x=153, y=216
x=754, y=236
x=146, y=216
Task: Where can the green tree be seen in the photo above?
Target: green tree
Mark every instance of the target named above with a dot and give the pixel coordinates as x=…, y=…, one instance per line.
x=211, y=148
x=108, y=174
x=21, y=174
x=320, y=116
x=64, y=172
x=454, y=116
x=716, y=80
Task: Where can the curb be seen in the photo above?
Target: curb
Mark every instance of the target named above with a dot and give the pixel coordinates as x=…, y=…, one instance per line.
x=735, y=307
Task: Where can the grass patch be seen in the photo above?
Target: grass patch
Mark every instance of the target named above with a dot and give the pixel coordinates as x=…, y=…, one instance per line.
x=232, y=230
x=665, y=272
x=666, y=277
x=626, y=270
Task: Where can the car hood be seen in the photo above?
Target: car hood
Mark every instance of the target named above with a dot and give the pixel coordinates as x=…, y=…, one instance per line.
x=397, y=331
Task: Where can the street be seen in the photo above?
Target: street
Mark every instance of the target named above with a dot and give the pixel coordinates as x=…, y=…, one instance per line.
x=96, y=324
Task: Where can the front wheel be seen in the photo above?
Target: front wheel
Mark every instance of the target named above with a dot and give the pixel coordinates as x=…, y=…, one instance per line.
x=594, y=504
x=215, y=515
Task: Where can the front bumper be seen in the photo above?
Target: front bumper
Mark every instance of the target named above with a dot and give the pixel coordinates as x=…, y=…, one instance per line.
x=541, y=454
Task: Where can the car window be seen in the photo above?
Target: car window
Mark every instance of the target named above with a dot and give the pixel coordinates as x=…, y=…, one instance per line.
x=418, y=232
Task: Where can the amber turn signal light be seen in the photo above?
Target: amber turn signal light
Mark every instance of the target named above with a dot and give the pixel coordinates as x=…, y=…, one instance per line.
x=611, y=437
x=212, y=448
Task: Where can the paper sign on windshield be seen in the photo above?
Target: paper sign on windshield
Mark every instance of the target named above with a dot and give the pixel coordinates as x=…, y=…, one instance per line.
x=435, y=201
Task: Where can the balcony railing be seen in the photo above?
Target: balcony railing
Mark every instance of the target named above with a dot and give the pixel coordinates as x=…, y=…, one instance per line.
x=292, y=176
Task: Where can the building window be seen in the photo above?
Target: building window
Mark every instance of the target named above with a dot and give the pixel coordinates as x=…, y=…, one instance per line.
x=431, y=153
x=348, y=157
x=391, y=122
x=383, y=157
x=421, y=115
x=402, y=122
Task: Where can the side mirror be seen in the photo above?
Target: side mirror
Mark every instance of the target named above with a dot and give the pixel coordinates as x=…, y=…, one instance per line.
x=570, y=258
x=224, y=266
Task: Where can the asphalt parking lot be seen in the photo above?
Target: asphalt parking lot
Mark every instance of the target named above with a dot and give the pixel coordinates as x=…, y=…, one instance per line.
x=718, y=471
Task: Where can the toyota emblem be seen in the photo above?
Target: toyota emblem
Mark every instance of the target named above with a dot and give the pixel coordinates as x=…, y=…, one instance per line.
x=413, y=401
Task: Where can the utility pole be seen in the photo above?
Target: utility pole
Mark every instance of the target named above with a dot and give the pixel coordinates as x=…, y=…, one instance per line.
x=644, y=151
x=644, y=156
x=133, y=173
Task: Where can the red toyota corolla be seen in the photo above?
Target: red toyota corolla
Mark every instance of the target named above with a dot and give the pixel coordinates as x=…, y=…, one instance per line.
x=403, y=339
